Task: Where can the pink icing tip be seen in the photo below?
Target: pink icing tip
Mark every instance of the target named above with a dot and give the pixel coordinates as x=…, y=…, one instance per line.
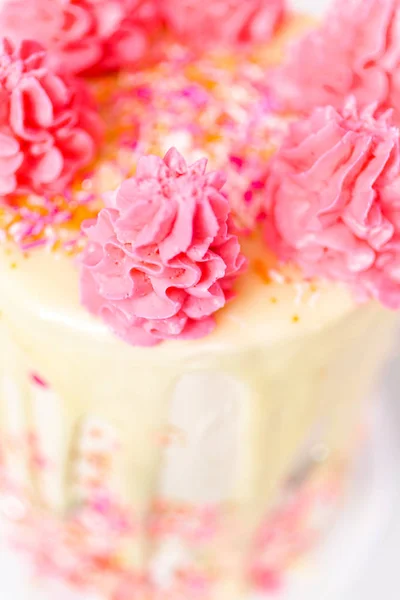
x=86, y=35
x=200, y=22
x=355, y=52
x=161, y=258
x=48, y=127
x=333, y=200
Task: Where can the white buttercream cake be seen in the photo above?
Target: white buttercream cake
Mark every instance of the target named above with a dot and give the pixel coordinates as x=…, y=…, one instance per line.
x=181, y=394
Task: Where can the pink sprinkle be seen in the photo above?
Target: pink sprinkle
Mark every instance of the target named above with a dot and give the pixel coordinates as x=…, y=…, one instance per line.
x=38, y=380
x=195, y=93
x=102, y=505
x=248, y=196
x=237, y=160
x=144, y=93
x=266, y=579
x=70, y=245
x=31, y=245
x=196, y=582
x=257, y=185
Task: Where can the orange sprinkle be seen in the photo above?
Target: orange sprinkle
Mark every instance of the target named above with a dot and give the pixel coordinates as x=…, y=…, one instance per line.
x=260, y=268
x=95, y=433
x=171, y=435
x=99, y=460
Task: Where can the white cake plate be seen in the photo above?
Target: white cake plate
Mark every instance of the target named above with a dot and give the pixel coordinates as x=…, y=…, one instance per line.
x=335, y=565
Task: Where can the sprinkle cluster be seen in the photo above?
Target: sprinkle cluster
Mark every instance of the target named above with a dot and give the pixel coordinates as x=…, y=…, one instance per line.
x=217, y=107
x=99, y=532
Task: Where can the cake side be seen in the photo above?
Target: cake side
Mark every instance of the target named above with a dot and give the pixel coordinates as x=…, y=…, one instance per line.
x=220, y=430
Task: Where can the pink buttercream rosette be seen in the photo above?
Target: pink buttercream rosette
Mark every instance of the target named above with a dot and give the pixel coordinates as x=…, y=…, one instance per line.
x=161, y=258
x=86, y=35
x=201, y=23
x=48, y=126
x=355, y=52
x=333, y=203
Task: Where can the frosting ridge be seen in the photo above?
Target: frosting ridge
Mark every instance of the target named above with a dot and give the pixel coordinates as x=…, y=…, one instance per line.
x=161, y=257
x=48, y=126
x=355, y=52
x=199, y=22
x=333, y=201
x=86, y=35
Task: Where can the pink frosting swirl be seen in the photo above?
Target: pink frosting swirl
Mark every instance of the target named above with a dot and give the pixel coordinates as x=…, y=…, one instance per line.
x=86, y=35
x=355, y=52
x=202, y=23
x=333, y=203
x=161, y=257
x=48, y=128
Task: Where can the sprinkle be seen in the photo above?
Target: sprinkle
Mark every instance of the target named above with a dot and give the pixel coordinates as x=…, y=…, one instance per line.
x=87, y=185
x=301, y=289
x=277, y=276
x=100, y=531
x=32, y=245
x=260, y=268
x=171, y=436
x=314, y=298
x=38, y=380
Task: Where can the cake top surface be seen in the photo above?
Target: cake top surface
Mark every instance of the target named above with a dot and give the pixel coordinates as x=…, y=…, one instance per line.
x=271, y=305
x=164, y=164
x=217, y=106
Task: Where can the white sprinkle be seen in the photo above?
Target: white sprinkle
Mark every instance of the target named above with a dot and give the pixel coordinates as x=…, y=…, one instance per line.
x=314, y=298
x=301, y=289
x=276, y=276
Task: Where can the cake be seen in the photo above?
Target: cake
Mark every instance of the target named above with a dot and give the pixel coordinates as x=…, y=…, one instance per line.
x=199, y=279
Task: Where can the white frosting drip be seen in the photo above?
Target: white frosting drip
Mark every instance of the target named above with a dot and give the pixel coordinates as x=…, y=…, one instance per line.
x=203, y=466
